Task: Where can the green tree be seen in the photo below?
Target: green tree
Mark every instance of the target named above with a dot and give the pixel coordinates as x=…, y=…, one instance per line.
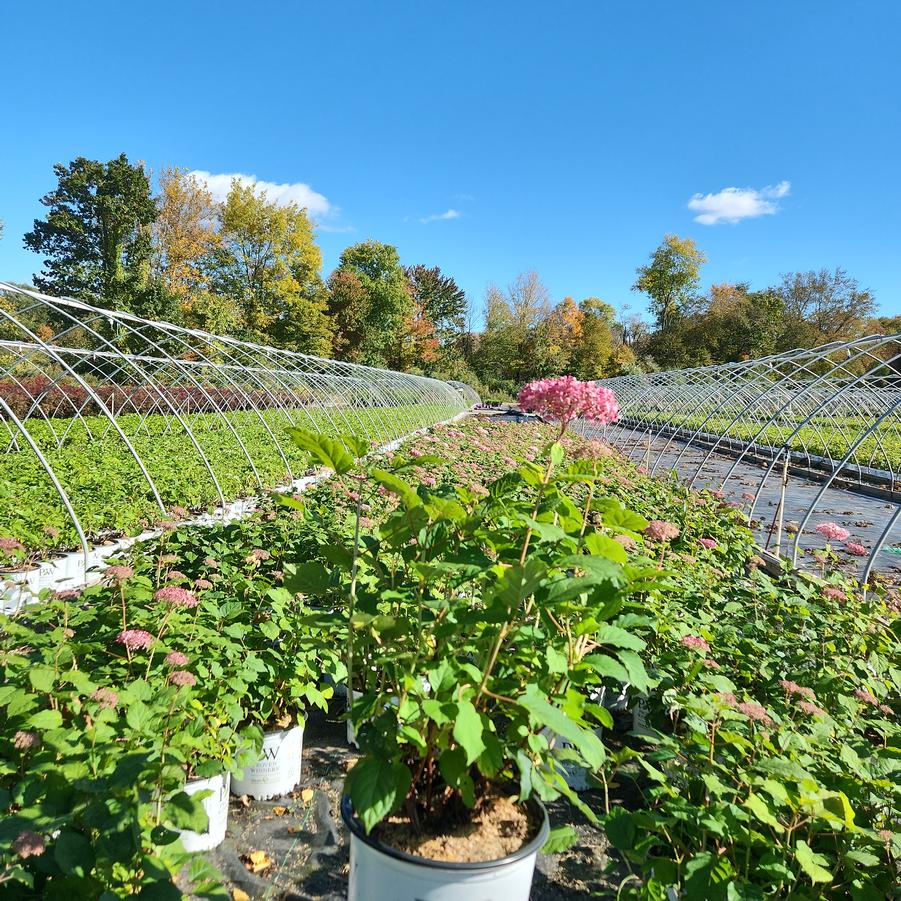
x=267, y=261
x=671, y=278
x=442, y=300
x=96, y=236
x=824, y=306
x=369, y=302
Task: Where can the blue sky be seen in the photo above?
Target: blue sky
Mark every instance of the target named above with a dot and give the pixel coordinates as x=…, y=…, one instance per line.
x=566, y=137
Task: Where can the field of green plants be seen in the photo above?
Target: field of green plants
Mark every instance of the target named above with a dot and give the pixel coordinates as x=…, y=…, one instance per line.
x=516, y=577
x=822, y=437
x=111, y=495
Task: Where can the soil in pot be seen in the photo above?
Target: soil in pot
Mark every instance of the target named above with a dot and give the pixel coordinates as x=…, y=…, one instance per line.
x=496, y=827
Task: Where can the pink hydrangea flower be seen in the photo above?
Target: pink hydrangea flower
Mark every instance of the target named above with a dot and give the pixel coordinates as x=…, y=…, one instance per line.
x=792, y=688
x=660, y=530
x=834, y=594
x=9, y=545
x=169, y=558
x=105, y=697
x=179, y=597
x=811, y=709
x=833, y=531
x=135, y=639
x=182, y=677
x=211, y=563
x=176, y=658
x=627, y=541
x=858, y=550
x=756, y=712
x=202, y=584
x=565, y=398
x=118, y=574
x=25, y=741
x=748, y=495
x=175, y=576
x=29, y=844
x=709, y=543
x=696, y=643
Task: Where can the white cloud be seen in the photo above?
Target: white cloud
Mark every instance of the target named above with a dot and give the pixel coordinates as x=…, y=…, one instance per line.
x=735, y=204
x=297, y=192
x=447, y=214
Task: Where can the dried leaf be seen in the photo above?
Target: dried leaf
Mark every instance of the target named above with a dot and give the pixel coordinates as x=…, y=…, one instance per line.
x=307, y=795
x=239, y=894
x=257, y=861
x=279, y=810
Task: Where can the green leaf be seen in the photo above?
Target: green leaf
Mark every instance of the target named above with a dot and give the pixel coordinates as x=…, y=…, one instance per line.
x=42, y=678
x=468, y=730
x=814, y=865
x=559, y=839
x=762, y=811
x=620, y=829
x=584, y=740
x=600, y=545
x=397, y=486
x=455, y=770
x=328, y=451
x=46, y=719
x=309, y=578
x=73, y=853
x=377, y=786
x=618, y=638
x=186, y=811
x=288, y=500
x=556, y=452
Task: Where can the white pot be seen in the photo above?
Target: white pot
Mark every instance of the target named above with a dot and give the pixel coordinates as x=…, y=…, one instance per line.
x=380, y=873
x=278, y=769
x=19, y=588
x=216, y=807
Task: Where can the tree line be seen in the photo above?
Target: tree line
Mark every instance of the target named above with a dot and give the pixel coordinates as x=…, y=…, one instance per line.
x=251, y=268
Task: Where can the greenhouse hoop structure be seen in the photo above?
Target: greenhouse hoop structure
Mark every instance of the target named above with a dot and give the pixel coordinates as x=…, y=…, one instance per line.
x=109, y=421
x=829, y=416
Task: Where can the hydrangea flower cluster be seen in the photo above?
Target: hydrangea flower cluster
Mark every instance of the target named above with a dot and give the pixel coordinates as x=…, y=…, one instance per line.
x=709, y=543
x=832, y=531
x=116, y=574
x=565, y=398
x=135, y=639
x=660, y=530
x=179, y=597
x=696, y=643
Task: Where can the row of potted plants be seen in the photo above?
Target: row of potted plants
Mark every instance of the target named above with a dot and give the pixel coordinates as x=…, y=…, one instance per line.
x=412, y=569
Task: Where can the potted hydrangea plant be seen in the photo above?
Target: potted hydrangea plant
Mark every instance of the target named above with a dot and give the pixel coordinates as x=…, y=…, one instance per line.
x=488, y=622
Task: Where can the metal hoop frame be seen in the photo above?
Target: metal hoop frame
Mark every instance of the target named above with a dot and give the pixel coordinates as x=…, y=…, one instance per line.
x=834, y=411
x=111, y=375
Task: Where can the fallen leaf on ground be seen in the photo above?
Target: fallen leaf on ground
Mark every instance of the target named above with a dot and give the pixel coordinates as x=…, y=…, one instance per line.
x=239, y=894
x=279, y=810
x=307, y=795
x=257, y=861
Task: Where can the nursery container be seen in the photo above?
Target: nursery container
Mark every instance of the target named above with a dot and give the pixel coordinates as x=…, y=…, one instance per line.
x=18, y=588
x=278, y=769
x=381, y=873
x=216, y=807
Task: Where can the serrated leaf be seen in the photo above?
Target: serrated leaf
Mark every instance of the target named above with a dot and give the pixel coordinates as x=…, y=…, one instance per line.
x=468, y=729
x=377, y=786
x=553, y=718
x=559, y=839
x=814, y=865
